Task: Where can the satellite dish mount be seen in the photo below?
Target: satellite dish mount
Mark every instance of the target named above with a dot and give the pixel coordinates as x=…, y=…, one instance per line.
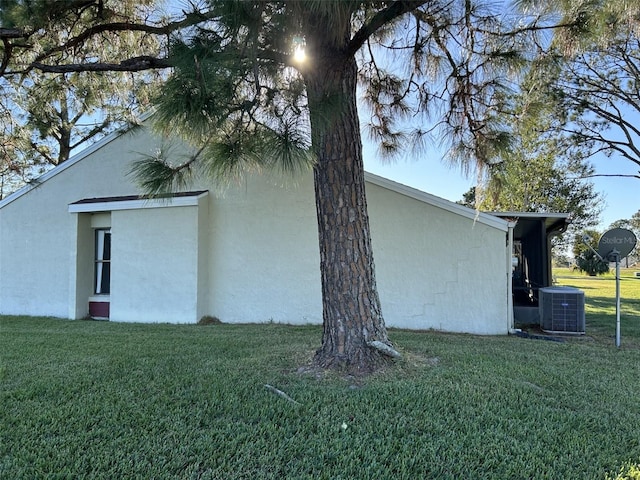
x=613, y=246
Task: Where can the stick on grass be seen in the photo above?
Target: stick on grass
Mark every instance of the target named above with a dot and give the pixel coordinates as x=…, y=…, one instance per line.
x=281, y=393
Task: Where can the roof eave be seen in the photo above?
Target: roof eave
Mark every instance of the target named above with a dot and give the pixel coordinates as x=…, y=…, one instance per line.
x=475, y=215
x=35, y=183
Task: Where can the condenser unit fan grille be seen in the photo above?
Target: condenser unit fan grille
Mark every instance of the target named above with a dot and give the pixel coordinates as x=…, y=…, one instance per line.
x=562, y=310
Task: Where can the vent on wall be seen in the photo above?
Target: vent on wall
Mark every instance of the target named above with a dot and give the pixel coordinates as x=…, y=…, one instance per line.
x=561, y=310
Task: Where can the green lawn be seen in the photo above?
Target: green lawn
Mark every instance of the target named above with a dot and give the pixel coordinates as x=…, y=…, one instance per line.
x=600, y=294
x=84, y=399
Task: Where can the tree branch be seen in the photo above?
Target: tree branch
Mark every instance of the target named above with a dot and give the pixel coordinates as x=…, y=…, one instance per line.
x=135, y=64
x=612, y=175
x=6, y=56
x=13, y=33
x=393, y=11
x=281, y=394
x=189, y=20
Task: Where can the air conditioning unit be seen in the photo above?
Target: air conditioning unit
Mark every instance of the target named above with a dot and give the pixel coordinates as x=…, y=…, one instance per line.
x=561, y=310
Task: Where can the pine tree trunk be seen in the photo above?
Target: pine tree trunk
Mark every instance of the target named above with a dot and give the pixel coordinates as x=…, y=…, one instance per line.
x=351, y=307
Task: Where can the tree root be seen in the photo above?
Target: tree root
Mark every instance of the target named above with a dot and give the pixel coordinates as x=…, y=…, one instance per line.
x=384, y=348
x=363, y=361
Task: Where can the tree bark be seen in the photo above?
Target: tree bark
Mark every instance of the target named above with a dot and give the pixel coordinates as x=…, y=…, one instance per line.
x=351, y=307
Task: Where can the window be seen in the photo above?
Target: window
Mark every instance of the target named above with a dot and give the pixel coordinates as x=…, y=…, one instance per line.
x=103, y=262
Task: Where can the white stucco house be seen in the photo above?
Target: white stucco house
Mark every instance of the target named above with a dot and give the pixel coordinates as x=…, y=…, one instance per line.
x=81, y=242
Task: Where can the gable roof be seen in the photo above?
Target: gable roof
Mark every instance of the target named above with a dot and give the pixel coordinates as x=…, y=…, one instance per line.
x=414, y=193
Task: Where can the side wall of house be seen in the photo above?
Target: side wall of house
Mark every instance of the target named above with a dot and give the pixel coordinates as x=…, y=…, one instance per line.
x=204, y=249
x=247, y=255
x=435, y=269
x=154, y=262
x=37, y=233
x=263, y=252
x=35, y=260
x=81, y=260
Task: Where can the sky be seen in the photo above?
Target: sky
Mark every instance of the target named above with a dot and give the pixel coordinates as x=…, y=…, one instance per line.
x=432, y=174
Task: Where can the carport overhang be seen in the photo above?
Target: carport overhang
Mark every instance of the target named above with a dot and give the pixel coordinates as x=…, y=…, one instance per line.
x=533, y=233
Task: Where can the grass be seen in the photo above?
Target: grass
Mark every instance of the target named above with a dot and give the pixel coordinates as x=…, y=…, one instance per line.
x=85, y=399
x=600, y=294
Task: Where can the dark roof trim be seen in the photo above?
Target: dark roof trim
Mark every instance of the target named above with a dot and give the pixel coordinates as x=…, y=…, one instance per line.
x=553, y=222
x=126, y=198
x=132, y=202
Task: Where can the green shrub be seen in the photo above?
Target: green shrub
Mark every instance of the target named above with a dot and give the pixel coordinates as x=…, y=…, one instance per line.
x=587, y=262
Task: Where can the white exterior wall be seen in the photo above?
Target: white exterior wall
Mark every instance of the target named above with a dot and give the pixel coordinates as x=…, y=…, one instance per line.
x=154, y=265
x=38, y=233
x=437, y=270
x=39, y=237
x=247, y=255
x=81, y=264
x=34, y=257
x=204, y=248
x=264, y=263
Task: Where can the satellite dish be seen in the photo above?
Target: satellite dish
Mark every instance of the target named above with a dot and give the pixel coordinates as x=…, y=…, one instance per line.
x=617, y=242
x=613, y=246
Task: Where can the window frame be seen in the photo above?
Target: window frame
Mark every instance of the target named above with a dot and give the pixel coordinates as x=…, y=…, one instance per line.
x=102, y=265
